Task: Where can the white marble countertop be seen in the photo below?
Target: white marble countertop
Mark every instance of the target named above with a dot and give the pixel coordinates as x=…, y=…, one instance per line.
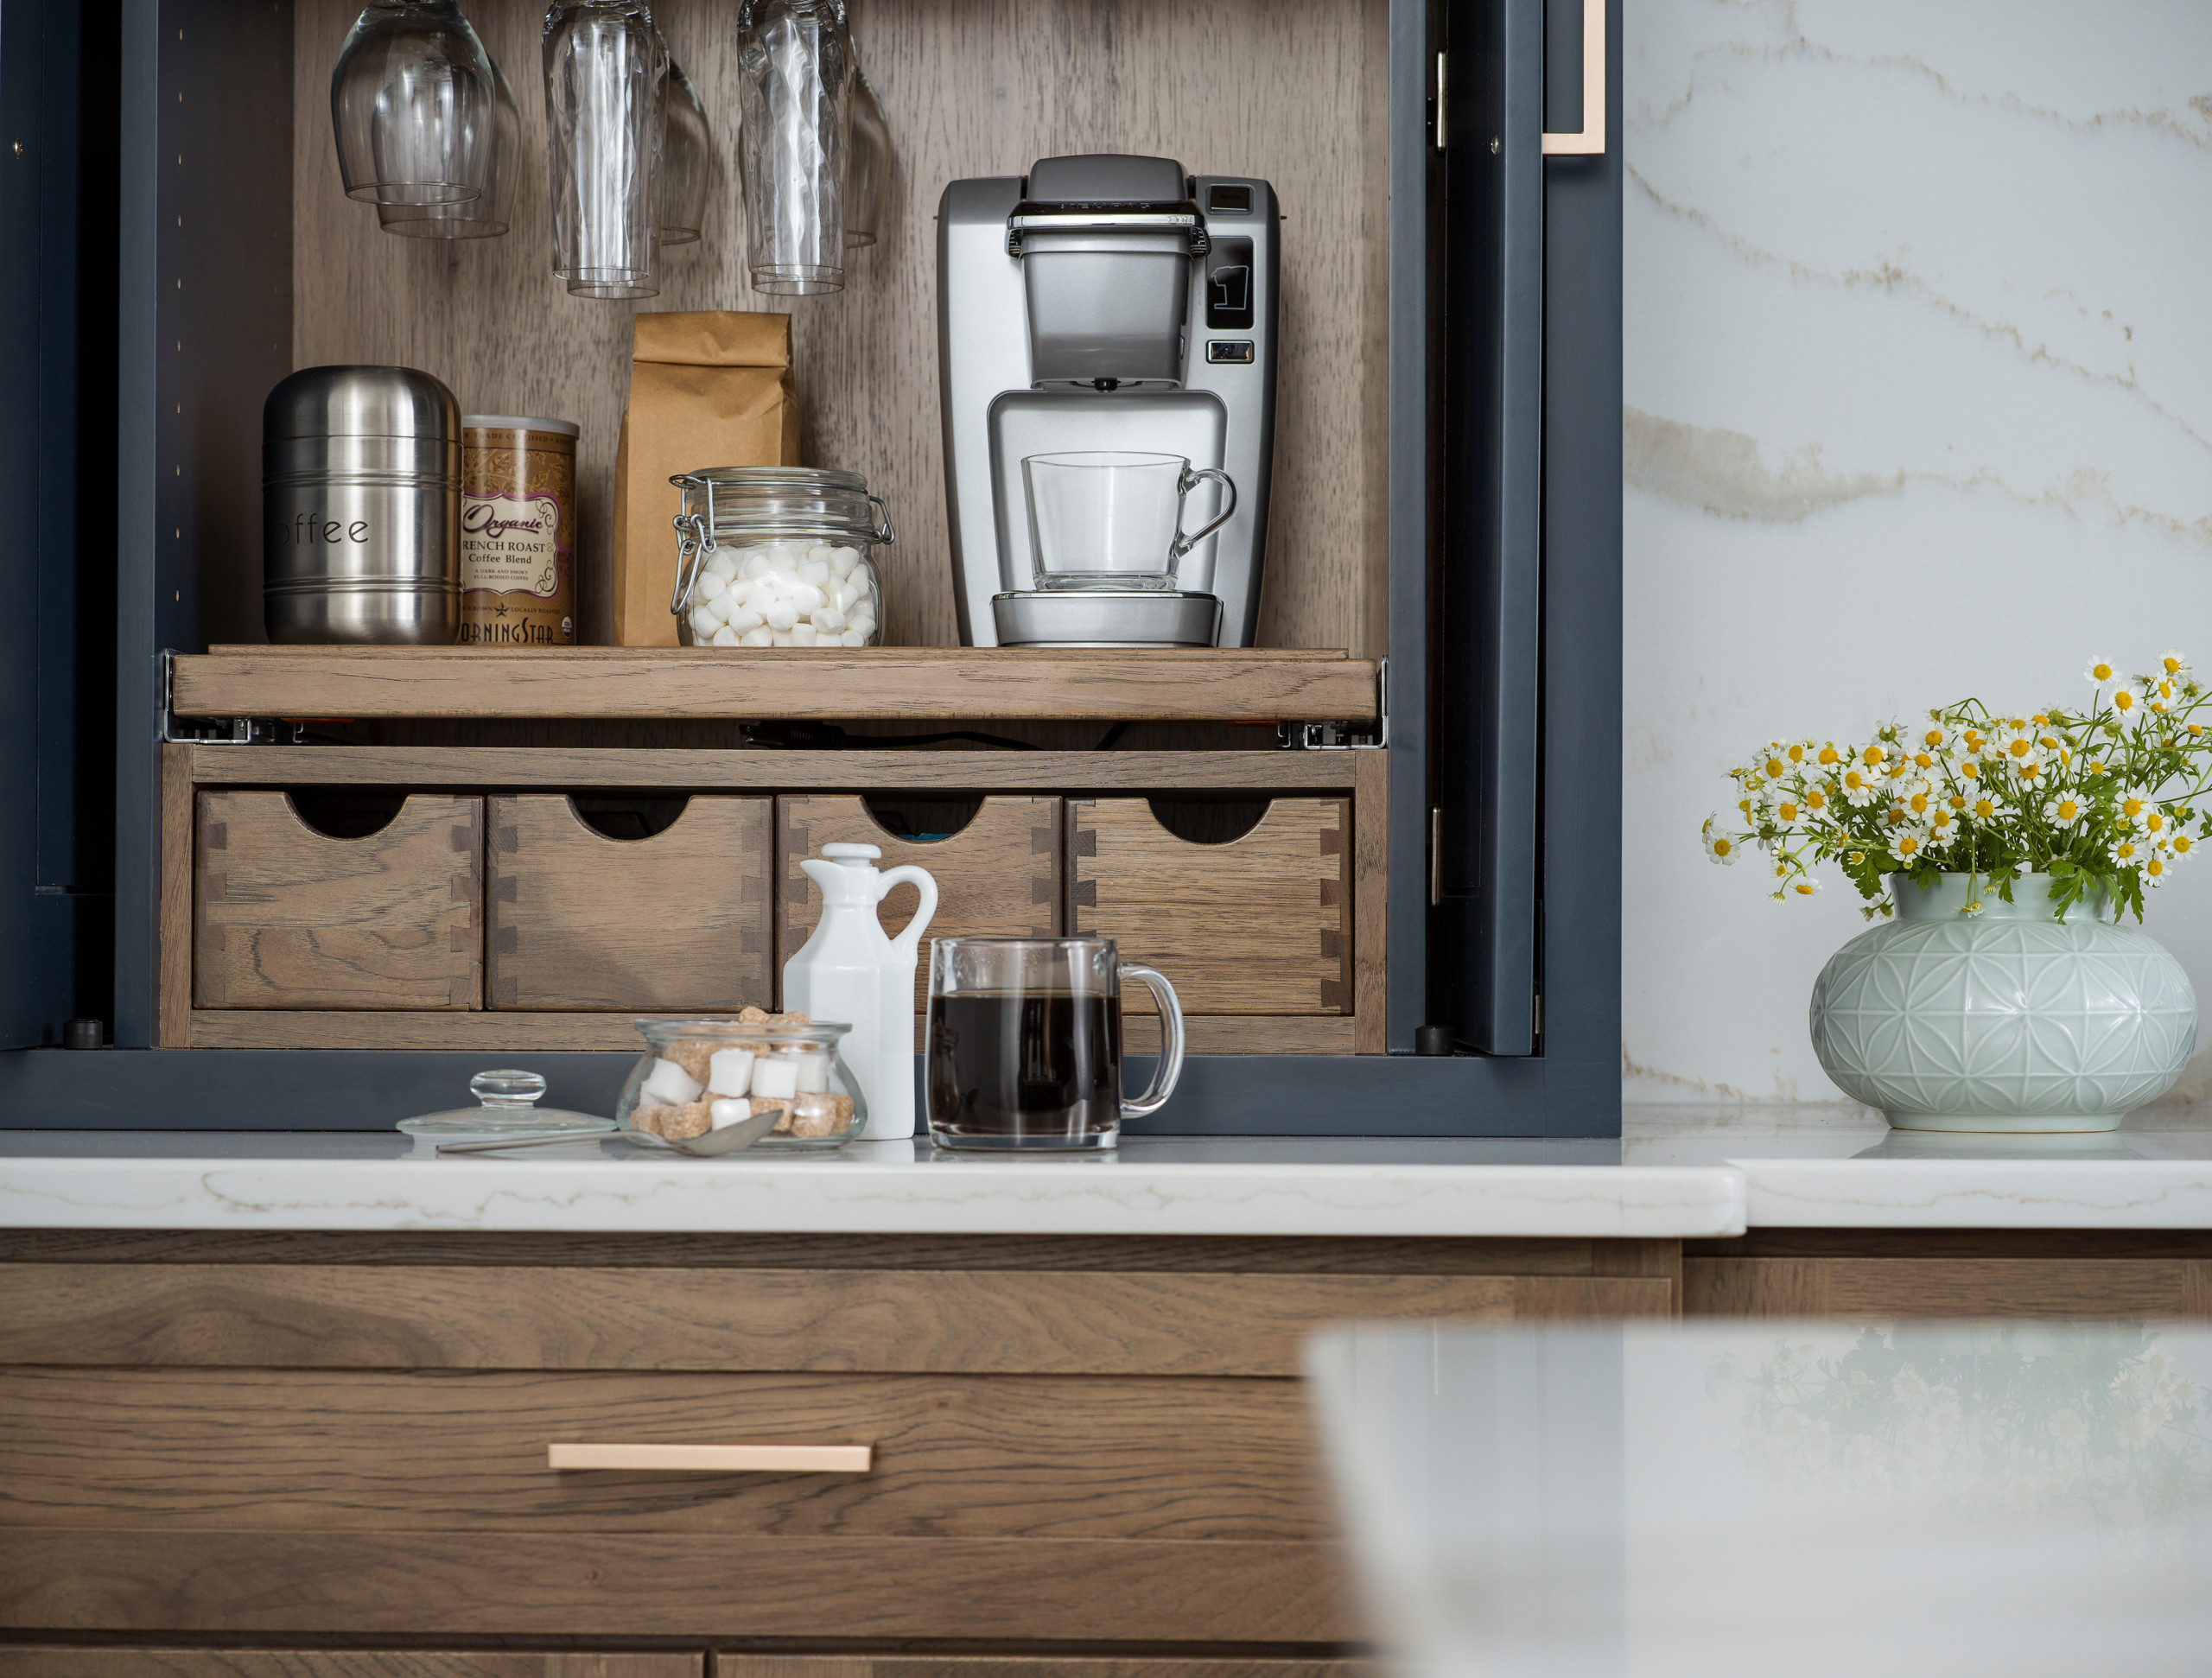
x=1678, y=1171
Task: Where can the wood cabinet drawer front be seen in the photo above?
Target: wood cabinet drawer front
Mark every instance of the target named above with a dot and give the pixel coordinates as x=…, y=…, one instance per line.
x=978, y=1322
x=679, y=919
x=954, y=1457
x=285, y=917
x=998, y=877
x=54, y=1661
x=1262, y=925
x=728, y=1665
x=521, y=1585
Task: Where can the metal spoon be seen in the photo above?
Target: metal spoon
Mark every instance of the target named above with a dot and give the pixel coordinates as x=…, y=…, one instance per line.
x=728, y=1140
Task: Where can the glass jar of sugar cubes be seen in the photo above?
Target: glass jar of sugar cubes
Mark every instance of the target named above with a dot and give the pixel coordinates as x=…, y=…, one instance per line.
x=699, y=1075
x=778, y=555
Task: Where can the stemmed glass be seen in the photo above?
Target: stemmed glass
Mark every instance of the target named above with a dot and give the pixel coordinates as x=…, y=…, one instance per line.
x=484, y=217
x=415, y=106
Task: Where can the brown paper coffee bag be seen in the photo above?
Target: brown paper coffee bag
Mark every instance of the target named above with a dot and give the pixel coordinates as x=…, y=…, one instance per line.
x=707, y=389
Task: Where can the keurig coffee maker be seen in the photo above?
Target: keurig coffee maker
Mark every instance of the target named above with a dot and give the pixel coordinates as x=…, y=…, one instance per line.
x=1106, y=350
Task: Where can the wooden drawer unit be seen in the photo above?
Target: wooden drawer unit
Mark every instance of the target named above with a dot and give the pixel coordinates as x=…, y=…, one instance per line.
x=1073, y=1440
x=581, y=921
x=999, y=876
x=1259, y=926
x=55, y=1660
x=283, y=917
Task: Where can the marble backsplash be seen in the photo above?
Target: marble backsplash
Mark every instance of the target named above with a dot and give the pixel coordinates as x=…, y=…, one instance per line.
x=1918, y=405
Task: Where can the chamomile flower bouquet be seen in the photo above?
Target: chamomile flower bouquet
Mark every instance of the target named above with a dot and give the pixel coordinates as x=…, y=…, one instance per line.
x=2106, y=799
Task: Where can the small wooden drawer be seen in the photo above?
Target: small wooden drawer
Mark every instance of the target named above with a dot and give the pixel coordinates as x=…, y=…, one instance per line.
x=998, y=877
x=1261, y=925
x=285, y=917
x=578, y=920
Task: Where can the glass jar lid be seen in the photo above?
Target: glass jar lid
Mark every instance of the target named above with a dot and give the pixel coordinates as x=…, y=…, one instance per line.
x=780, y=500
x=506, y=1104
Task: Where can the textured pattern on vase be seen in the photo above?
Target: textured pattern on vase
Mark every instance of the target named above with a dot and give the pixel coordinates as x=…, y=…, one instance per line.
x=2003, y=1024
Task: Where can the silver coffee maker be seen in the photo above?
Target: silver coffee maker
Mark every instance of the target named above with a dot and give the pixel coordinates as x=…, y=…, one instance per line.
x=1106, y=303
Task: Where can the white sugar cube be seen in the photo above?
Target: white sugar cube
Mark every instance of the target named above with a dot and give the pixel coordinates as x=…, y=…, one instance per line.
x=729, y=1071
x=853, y=637
x=842, y=561
x=670, y=1083
x=803, y=635
x=761, y=635
x=723, y=637
x=743, y=618
x=813, y=1073
x=829, y=619
x=775, y=1075
x=782, y=615
x=704, y=622
x=728, y=1112
x=710, y=585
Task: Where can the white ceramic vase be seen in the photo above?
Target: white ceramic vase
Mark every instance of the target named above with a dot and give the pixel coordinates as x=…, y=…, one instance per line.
x=2006, y=1020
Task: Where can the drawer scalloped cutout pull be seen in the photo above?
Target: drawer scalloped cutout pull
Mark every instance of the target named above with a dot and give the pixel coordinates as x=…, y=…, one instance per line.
x=716, y=1458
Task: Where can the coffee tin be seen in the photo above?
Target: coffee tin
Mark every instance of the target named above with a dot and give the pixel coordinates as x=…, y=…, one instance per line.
x=518, y=531
x=360, y=496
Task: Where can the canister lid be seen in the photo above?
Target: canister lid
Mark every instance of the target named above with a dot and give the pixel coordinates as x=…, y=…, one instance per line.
x=518, y=422
x=784, y=500
x=361, y=402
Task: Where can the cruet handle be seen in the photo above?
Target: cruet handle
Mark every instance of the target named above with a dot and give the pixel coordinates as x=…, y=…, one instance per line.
x=908, y=942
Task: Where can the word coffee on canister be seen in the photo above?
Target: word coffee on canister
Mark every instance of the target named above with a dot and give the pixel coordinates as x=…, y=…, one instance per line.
x=518, y=525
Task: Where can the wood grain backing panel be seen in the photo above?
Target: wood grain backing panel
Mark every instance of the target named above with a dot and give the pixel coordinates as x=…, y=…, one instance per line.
x=58, y=1661
x=955, y=1456
x=576, y=920
x=561, y=768
x=671, y=1584
x=1371, y=874
x=173, y=933
x=998, y=877
x=729, y=1665
x=754, y=683
x=862, y=1321
x=466, y=1249
x=502, y=1031
x=1944, y=1287
x=287, y=918
x=969, y=87
x=1259, y=926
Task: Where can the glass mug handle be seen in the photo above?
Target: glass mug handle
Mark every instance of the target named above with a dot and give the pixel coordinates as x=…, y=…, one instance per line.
x=1192, y=477
x=1170, y=1068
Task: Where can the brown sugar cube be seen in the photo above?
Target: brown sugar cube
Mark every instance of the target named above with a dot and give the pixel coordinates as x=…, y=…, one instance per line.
x=753, y=1015
x=692, y=1055
x=642, y=1117
x=681, y=1124
x=794, y=1017
x=823, y=1115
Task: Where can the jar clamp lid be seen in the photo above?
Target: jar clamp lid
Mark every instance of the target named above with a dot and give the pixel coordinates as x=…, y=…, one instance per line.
x=796, y=502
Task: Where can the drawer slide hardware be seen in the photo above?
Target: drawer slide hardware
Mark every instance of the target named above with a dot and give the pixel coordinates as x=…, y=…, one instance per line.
x=1343, y=736
x=716, y=1458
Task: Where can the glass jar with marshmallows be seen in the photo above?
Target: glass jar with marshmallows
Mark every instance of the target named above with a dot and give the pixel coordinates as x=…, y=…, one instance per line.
x=779, y=555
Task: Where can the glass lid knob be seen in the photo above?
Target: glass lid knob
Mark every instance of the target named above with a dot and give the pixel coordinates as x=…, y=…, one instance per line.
x=507, y=1090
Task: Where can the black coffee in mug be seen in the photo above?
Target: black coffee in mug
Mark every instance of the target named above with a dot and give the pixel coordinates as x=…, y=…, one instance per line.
x=1038, y=1068
x=1024, y=1046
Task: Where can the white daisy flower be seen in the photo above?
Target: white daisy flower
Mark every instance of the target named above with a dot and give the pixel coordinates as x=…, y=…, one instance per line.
x=1907, y=843
x=1858, y=785
x=1982, y=807
x=2029, y=772
x=2164, y=694
x=1830, y=755
x=2065, y=811
x=2131, y=804
x=2180, y=846
x=1942, y=824
x=1816, y=801
x=2017, y=743
x=2174, y=664
x=2154, y=825
x=2155, y=869
x=1806, y=885
x=1918, y=799
x=2128, y=853
x=2126, y=704
x=2100, y=672
x=1718, y=846
x=1799, y=752
x=1785, y=810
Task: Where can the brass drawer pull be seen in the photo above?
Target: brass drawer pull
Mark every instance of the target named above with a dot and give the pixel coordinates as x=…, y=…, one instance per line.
x=717, y=1458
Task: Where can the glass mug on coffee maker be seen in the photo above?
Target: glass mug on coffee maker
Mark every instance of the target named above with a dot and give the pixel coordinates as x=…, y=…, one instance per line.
x=1025, y=1042
x=1103, y=519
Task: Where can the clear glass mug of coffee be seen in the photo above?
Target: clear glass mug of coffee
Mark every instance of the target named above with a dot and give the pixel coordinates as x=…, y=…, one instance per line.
x=1025, y=1042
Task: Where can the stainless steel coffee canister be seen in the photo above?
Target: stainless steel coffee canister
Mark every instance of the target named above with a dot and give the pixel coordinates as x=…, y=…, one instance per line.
x=360, y=501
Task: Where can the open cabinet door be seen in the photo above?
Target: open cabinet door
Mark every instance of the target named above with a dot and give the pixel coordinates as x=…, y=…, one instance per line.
x=56, y=662
x=1488, y=589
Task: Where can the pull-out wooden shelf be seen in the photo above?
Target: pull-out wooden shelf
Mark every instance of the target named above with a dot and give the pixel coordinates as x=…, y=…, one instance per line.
x=1257, y=685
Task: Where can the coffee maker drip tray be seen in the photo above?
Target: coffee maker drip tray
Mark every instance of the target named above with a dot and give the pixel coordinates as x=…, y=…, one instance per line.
x=1098, y=619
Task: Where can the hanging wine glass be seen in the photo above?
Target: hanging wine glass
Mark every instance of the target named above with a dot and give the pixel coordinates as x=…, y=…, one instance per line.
x=867, y=164
x=484, y=217
x=688, y=166
x=414, y=105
